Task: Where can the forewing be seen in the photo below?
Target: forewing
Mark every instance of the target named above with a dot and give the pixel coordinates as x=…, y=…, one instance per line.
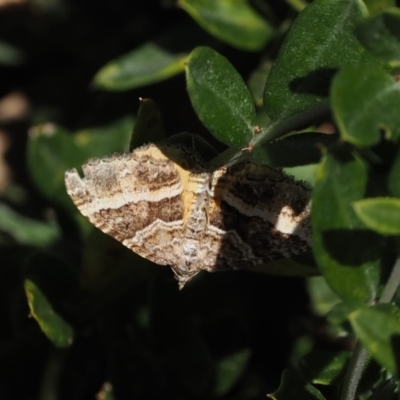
x=135, y=198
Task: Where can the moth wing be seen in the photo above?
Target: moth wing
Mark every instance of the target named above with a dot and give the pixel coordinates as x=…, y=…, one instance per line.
x=135, y=198
x=261, y=214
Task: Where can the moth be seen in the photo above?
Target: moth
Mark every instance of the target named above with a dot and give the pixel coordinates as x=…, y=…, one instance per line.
x=163, y=203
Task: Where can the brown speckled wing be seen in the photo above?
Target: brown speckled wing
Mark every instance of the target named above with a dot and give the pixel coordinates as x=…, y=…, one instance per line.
x=264, y=213
x=136, y=198
x=161, y=203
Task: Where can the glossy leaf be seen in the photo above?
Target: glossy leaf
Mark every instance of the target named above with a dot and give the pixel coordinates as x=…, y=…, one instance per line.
x=155, y=60
x=365, y=103
x=382, y=214
x=149, y=63
x=379, y=331
x=347, y=253
x=228, y=371
x=234, y=22
x=381, y=34
x=324, y=367
x=294, y=387
x=319, y=41
x=220, y=97
x=58, y=331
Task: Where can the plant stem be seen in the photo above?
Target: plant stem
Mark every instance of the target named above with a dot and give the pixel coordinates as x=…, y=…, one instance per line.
x=392, y=284
x=295, y=122
x=354, y=372
x=360, y=355
x=273, y=132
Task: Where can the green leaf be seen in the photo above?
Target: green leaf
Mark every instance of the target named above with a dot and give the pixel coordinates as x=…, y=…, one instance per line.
x=145, y=65
x=148, y=126
x=379, y=331
x=234, y=22
x=256, y=83
x=322, y=367
x=59, y=332
x=365, y=102
x=322, y=298
x=26, y=230
x=294, y=387
x=320, y=41
x=339, y=313
x=394, y=176
x=104, y=140
x=382, y=214
x=154, y=61
x=52, y=150
x=285, y=152
x=347, y=253
x=377, y=6
x=381, y=34
x=228, y=371
x=305, y=173
x=220, y=97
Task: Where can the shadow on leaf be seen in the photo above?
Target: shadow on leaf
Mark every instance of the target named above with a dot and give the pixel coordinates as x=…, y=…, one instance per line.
x=316, y=82
x=343, y=245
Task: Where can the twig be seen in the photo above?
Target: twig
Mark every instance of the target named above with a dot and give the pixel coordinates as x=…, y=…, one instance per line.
x=360, y=355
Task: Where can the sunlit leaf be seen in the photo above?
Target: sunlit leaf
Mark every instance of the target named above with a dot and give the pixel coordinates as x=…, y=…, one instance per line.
x=294, y=387
x=365, y=102
x=319, y=41
x=234, y=22
x=379, y=331
x=382, y=214
x=58, y=331
x=220, y=97
x=347, y=253
x=324, y=367
x=27, y=230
